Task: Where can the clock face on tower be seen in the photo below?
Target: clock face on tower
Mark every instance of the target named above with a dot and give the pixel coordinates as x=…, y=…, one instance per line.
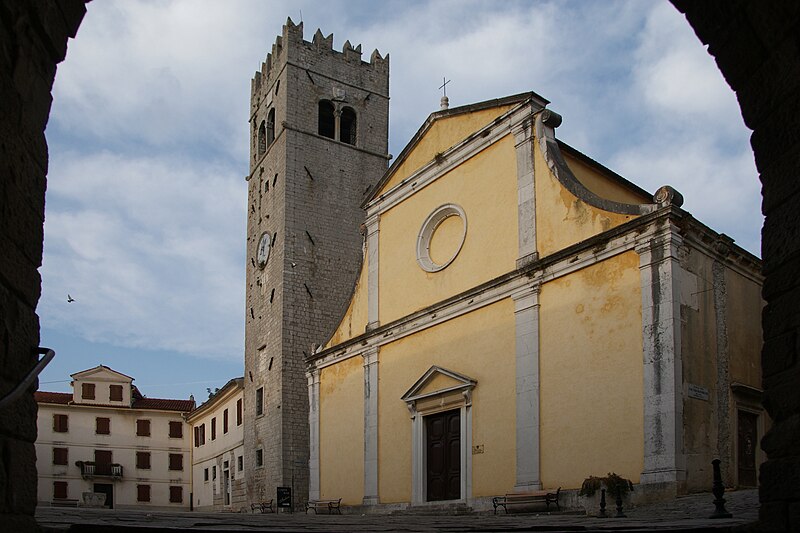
x=262, y=254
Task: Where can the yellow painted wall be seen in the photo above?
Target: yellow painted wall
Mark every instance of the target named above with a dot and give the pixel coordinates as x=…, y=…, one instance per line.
x=443, y=134
x=341, y=431
x=601, y=185
x=479, y=345
x=561, y=218
x=485, y=186
x=354, y=322
x=591, y=376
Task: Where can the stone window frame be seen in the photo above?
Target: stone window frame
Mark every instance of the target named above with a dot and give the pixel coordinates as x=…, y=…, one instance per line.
x=421, y=404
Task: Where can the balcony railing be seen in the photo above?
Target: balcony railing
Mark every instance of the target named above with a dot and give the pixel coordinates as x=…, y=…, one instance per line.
x=90, y=469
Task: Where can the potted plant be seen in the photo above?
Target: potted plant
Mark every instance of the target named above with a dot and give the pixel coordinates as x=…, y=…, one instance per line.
x=592, y=486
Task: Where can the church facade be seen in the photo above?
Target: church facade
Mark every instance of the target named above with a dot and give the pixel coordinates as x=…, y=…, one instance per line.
x=525, y=318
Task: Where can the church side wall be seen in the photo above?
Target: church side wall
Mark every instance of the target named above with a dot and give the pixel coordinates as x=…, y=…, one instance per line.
x=561, y=218
x=591, y=377
x=342, y=431
x=480, y=345
x=484, y=186
x=601, y=185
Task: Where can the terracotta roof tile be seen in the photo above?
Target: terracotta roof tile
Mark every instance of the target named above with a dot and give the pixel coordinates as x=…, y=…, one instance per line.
x=164, y=404
x=52, y=397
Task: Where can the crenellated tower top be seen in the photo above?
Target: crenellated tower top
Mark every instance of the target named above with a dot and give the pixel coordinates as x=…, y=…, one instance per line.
x=317, y=55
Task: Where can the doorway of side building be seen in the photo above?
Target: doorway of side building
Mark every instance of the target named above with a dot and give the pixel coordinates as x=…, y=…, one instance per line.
x=443, y=456
x=226, y=483
x=746, y=443
x=108, y=490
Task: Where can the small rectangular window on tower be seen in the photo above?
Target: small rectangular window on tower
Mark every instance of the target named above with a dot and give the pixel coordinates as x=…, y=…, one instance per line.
x=259, y=401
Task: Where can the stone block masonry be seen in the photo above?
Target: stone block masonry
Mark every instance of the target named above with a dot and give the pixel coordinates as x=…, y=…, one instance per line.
x=304, y=193
x=33, y=40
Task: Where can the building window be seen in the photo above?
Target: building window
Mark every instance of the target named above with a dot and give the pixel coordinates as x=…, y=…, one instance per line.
x=143, y=460
x=60, y=456
x=347, y=126
x=60, y=423
x=262, y=138
x=271, y=127
x=142, y=493
x=239, y=412
x=213, y=472
x=115, y=393
x=103, y=426
x=142, y=428
x=240, y=463
x=260, y=401
x=59, y=490
x=214, y=428
x=225, y=421
x=87, y=391
x=176, y=430
x=202, y=434
x=175, y=494
x=176, y=461
x=327, y=119
x=259, y=457
x=205, y=474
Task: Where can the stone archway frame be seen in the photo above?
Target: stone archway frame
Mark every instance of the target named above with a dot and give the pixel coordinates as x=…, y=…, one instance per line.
x=421, y=403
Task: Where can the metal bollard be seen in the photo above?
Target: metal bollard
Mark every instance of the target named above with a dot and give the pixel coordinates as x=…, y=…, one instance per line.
x=602, y=504
x=619, y=514
x=718, y=489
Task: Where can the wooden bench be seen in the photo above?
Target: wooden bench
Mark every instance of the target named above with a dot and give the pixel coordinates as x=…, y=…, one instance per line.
x=330, y=505
x=527, y=498
x=263, y=507
x=63, y=502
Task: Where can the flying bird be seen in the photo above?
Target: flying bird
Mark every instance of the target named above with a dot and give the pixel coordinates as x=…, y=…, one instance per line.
x=70, y=299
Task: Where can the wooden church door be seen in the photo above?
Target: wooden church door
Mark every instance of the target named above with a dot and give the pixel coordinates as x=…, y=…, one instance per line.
x=443, y=447
x=747, y=441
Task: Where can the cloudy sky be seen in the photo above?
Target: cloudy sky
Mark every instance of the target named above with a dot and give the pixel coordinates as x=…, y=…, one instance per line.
x=148, y=141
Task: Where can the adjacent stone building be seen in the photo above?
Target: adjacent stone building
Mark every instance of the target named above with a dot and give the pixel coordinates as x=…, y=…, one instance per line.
x=107, y=438
x=526, y=318
x=218, y=450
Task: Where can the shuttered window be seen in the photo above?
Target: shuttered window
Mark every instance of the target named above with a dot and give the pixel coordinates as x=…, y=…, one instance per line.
x=60, y=423
x=142, y=493
x=60, y=456
x=143, y=428
x=143, y=460
x=225, y=421
x=176, y=430
x=87, y=391
x=103, y=426
x=59, y=490
x=176, y=461
x=239, y=412
x=115, y=393
x=176, y=494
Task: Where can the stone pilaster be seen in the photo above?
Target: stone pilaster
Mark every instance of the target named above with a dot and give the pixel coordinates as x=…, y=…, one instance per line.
x=373, y=231
x=371, y=426
x=526, y=201
x=313, y=433
x=659, y=266
x=526, y=318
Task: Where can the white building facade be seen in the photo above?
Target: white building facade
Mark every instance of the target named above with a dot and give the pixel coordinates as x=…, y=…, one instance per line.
x=218, y=450
x=106, y=438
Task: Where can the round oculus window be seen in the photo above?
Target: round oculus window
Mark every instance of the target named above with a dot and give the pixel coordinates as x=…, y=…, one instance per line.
x=441, y=237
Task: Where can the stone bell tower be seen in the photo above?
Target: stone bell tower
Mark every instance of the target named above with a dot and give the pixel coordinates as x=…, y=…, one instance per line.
x=318, y=143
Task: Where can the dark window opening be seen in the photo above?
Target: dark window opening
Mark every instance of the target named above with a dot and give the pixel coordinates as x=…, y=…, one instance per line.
x=225, y=421
x=327, y=120
x=59, y=490
x=143, y=460
x=60, y=423
x=213, y=428
x=142, y=493
x=175, y=494
x=259, y=457
x=240, y=461
x=260, y=401
x=176, y=461
x=176, y=430
x=115, y=393
x=87, y=391
x=60, y=456
x=239, y=412
x=143, y=428
x=271, y=127
x=103, y=426
x=205, y=474
x=347, y=126
x=262, y=138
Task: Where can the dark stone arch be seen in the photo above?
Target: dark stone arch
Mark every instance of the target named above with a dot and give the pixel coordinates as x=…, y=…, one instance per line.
x=757, y=48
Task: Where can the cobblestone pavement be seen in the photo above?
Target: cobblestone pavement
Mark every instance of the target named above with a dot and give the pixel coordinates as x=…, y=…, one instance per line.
x=688, y=513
